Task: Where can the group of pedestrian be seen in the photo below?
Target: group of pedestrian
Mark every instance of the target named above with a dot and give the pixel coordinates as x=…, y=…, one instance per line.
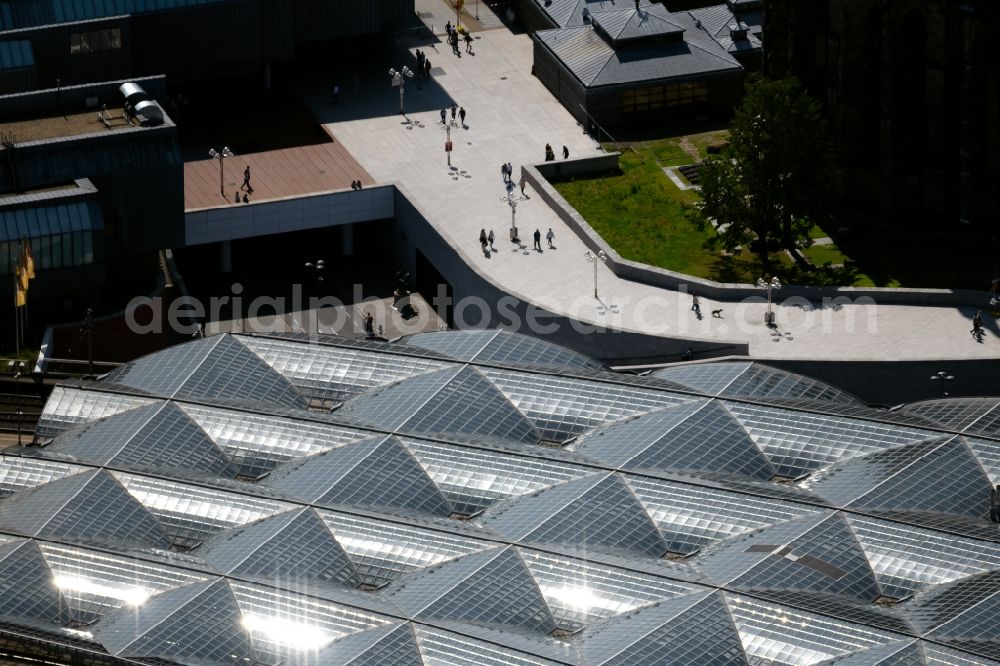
x=423, y=64
x=355, y=184
x=455, y=110
x=507, y=172
x=485, y=239
x=548, y=237
x=550, y=154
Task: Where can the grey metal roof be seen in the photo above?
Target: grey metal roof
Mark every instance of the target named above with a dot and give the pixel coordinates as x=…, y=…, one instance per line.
x=718, y=20
x=635, y=23
x=568, y=13
x=597, y=63
x=392, y=542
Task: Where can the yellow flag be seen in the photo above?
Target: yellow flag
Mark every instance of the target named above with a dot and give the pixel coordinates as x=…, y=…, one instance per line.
x=22, y=277
x=29, y=261
x=20, y=297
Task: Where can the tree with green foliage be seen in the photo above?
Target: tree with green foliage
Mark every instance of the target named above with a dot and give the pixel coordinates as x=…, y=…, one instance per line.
x=772, y=182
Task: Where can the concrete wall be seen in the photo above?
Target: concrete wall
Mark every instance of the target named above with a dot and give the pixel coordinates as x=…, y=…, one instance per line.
x=414, y=233
x=538, y=175
x=211, y=225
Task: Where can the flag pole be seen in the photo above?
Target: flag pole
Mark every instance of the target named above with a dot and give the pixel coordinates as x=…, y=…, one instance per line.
x=17, y=320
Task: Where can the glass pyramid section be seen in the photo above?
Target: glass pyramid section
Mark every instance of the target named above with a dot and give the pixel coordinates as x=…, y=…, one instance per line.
x=897, y=653
x=974, y=629
x=762, y=381
x=217, y=367
x=908, y=559
x=689, y=630
x=378, y=471
x=947, y=479
x=691, y=517
x=580, y=593
x=389, y=644
x=94, y=583
x=90, y=507
x=294, y=547
x=448, y=648
x=197, y=623
x=337, y=373
x=563, y=407
x=939, y=655
x=473, y=479
x=987, y=452
x=776, y=634
x=805, y=555
x=708, y=378
x=958, y=414
x=594, y=512
x=27, y=591
x=799, y=442
x=491, y=588
x=17, y=474
x=158, y=436
x=455, y=400
x=501, y=347
x=696, y=436
x=68, y=406
x=942, y=604
x=257, y=443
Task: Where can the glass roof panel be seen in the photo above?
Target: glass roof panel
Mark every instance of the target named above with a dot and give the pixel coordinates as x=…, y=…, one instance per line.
x=492, y=588
x=294, y=547
x=445, y=648
x=797, y=442
x=594, y=512
x=474, y=479
x=690, y=518
x=95, y=583
x=897, y=653
x=580, y=593
x=939, y=655
x=257, y=443
x=954, y=413
x=987, y=452
x=68, y=406
x=90, y=507
x=337, y=373
x=708, y=378
x=190, y=514
x=286, y=626
x=198, y=622
x=563, y=407
x=378, y=471
x=943, y=603
x=28, y=591
x=20, y=473
x=383, y=551
x=690, y=629
x=791, y=636
x=762, y=381
x=908, y=559
x=387, y=644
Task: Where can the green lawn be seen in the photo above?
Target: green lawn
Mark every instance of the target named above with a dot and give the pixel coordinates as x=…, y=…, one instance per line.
x=640, y=213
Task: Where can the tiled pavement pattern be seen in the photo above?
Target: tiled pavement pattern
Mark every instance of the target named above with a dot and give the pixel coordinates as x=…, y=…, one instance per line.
x=511, y=116
x=274, y=174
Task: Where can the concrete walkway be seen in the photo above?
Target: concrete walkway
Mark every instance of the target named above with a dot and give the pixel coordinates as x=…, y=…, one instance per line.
x=511, y=116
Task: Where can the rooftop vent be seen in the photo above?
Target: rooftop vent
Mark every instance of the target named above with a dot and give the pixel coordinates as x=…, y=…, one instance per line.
x=738, y=31
x=138, y=104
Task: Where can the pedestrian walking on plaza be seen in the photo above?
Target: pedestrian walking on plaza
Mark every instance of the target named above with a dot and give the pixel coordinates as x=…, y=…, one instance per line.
x=461, y=115
x=977, y=325
x=538, y=240
x=447, y=29
x=491, y=238
x=246, y=180
x=246, y=198
x=503, y=171
x=444, y=116
x=510, y=172
x=483, y=239
x=565, y=153
x=549, y=237
x=695, y=303
x=420, y=62
x=549, y=155
x=523, y=181
x=369, y=323
x=237, y=199
x=454, y=110
x=468, y=43
x=427, y=68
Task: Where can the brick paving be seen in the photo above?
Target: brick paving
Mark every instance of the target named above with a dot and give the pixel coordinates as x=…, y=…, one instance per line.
x=274, y=174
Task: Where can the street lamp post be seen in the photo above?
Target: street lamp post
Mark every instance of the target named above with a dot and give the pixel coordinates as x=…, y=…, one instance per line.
x=596, y=259
x=512, y=202
x=399, y=79
x=942, y=377
x=316, y=268
x=773, y=285
x=221, y=155
x=18, y=367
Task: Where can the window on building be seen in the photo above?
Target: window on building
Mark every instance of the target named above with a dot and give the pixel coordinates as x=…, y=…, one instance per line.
x=94, y=41
x=658, y=97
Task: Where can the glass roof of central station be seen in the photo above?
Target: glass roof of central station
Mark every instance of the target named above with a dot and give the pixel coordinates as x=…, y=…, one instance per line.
x=486, y=498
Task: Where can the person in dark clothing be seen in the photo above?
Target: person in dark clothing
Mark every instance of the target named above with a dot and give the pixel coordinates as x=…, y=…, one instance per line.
x=565, y=153
x=538, y=240
x=461, y=115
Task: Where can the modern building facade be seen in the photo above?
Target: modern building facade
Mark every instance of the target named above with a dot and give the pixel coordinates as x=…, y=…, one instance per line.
x=485, y=498
x=70, y=42
x=912, y=90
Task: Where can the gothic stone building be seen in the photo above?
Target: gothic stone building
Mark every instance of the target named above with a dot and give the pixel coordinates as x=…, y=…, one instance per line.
x=912, y=88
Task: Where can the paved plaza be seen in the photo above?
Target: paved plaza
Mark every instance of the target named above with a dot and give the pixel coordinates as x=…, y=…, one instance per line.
x=511, y=117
